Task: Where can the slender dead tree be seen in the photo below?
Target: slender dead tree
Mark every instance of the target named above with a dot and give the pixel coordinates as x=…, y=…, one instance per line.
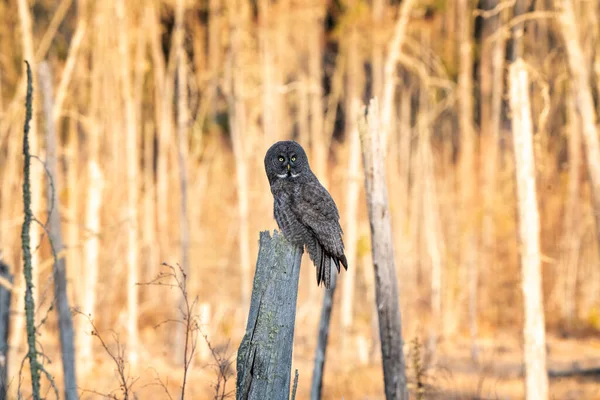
x=131, y=154
x=467, y=165
x=536, y=375
x=492, y=89
x=386, y=283
x=585, y=103
x=182, y=146
x=237, y=108
x=65, y=322
x=163, y=108
x=571, y=240
x=316, y=386
x=353, y=82
x=389, y=69
x=431, y=231
x=318, y=142
x=93, y=204
x=270, y=98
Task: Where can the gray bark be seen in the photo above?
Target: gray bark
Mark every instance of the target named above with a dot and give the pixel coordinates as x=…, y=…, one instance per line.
x=386, y=283
x=264, y=358
x=324, y=323
x=585, y=103
x=5, y=294
x=65, y=322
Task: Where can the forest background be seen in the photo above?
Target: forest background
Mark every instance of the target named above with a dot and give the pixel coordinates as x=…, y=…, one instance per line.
x=164, y=110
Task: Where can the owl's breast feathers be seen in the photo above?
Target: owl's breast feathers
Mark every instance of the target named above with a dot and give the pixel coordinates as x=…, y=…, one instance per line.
x=307, y=215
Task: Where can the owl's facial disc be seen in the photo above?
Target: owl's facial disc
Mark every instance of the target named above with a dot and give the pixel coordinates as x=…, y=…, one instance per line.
x=287, y=164
x=285, y=160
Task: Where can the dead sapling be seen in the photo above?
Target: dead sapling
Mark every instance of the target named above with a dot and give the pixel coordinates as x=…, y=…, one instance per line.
x=126, y=382
x=222, y=366
x=177, y=278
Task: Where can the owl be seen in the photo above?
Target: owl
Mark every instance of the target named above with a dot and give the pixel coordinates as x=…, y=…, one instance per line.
x=304, y=209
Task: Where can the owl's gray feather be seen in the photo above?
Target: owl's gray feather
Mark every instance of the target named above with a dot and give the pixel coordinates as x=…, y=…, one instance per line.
x=304, y=210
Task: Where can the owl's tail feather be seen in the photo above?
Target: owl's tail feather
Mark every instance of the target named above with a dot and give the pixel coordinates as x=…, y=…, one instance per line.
x=318, y=260
x=322, y=261
x=344, y=263
x=337, y=261
x=323, y=266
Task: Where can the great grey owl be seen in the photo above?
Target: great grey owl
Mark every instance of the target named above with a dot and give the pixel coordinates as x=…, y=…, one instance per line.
x=304, y=209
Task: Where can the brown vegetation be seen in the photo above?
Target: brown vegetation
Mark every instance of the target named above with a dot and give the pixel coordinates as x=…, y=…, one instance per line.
x=143, y=89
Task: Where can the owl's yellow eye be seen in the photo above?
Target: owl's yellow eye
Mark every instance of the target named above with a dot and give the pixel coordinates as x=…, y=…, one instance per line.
x=294, y=158
x=281, y=159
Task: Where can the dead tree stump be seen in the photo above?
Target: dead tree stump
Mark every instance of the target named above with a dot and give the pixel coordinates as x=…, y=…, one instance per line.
x=264, y=358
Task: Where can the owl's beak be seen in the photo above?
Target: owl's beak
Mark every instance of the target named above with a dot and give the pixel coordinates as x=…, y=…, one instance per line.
x=289, y=166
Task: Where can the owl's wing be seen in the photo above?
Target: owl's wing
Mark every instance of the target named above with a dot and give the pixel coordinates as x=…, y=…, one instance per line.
x=313, y=206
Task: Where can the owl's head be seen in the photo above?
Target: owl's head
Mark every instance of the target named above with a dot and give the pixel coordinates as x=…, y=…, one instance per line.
x=285, y=160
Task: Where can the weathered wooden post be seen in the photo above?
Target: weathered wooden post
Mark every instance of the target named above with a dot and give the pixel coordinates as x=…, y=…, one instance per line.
x=6, y=280
x=264, y=358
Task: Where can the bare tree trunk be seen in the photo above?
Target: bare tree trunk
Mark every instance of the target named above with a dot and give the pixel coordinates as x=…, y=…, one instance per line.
x=131, y=155
x=316, y=387
x=536, y=384
x=163, y=100
x=93, y=203
x=95, y=179
x=431, y=224
x=149, y=228
x=386, y=283
x=70, y=64
x=238, y=122
x=492, y=88
x=5, y=302
x=585, y=104
x=467, y=167
x=353, y=187
x=182, y=121
x=571, y=239
x=405, y=133
x=318, y=141
x=284, y=57
x=377, y=10
x=65, y=323
x=389, y=71
x=303, y=117
x=214, y=47
x=149, y=205
x=270, y=101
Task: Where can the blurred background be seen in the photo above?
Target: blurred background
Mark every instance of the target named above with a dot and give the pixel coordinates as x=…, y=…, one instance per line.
x=163, y=111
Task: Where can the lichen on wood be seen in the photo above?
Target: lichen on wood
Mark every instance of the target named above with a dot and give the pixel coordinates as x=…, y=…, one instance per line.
x=265, y=354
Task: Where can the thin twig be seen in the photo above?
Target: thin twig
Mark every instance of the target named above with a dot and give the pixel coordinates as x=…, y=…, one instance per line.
x=126, y=383
x=295, y=387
